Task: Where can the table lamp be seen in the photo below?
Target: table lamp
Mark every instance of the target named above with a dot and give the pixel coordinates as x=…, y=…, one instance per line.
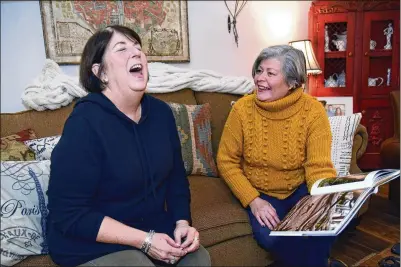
x=312, y=66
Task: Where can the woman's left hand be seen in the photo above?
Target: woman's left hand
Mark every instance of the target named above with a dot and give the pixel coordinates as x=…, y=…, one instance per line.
x=191, y=235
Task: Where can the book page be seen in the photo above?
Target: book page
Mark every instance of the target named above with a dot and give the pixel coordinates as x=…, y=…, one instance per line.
x=322, y=213
x=344, y=183
x=386, y=175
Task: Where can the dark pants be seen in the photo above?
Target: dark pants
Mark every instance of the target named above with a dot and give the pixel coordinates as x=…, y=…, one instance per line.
x=137, y=258
x=291, y=251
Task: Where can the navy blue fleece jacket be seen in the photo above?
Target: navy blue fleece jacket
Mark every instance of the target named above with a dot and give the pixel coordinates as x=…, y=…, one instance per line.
x=105, y=164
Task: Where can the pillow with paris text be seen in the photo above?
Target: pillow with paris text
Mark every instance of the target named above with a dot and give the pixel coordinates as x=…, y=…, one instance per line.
x=23, y=209
x=343, y=130
x=195, y=132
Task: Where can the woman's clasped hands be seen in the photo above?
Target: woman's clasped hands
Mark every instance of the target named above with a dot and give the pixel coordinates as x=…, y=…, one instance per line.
x=184, y=231
x=164, y=248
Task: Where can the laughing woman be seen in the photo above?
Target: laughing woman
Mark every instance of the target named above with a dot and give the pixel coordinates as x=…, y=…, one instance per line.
x=276, y=143
x=118, y=193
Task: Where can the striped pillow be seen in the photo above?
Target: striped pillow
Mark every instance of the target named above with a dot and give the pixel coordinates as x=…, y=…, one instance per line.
x=343, y=129
x=194, y=130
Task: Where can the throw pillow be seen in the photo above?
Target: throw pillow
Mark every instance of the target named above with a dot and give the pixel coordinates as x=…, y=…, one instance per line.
x=23, y=209
x=194, y=130
x=343, y=129
x=13, y=148
x=43, y=147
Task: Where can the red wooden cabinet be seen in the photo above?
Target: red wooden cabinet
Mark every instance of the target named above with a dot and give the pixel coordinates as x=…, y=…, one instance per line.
x=364, y=58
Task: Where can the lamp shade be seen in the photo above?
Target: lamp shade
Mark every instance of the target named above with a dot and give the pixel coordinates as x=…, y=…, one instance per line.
x=312, y=66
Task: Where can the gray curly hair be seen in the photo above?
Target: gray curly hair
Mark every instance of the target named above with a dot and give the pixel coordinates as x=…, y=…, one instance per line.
x=293, y=63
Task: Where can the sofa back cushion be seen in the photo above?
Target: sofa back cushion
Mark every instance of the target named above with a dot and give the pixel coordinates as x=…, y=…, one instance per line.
x=221, y=107
x=43, y=123
x=185, y=96
x=51, y=122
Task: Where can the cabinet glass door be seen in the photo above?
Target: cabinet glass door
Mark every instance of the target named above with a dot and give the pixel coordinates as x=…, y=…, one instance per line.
x=380, y=69
x=336, y=36
x=380, y=75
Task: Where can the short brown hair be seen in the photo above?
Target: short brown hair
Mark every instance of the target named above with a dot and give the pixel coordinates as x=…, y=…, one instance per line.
x=93, y=53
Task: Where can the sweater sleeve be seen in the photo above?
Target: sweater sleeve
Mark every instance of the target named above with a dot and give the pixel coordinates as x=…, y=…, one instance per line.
x=178, y=194
x=318, y=149
x=74, y=176
x=229, y=160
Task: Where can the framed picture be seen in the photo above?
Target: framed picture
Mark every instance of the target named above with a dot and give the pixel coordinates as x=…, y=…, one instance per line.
x=337, y=106
x=162, y=26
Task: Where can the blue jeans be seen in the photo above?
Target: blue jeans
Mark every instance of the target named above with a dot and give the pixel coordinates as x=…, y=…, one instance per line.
x=291, y=251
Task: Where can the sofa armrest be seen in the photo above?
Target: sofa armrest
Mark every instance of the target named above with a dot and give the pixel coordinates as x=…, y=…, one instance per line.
x=390, y=153
x=358, y=147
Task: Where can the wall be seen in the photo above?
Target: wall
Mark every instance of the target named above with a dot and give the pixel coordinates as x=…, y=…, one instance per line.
x=260, y=24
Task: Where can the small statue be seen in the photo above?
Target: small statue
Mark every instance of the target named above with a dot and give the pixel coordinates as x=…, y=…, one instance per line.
x=388, y=77
x=326, y=39
x=388, y=32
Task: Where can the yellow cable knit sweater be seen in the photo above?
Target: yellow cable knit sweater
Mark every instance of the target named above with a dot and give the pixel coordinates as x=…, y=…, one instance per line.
x=273, y=147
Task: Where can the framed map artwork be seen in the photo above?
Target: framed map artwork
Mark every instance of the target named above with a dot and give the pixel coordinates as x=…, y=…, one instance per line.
x=162, y=26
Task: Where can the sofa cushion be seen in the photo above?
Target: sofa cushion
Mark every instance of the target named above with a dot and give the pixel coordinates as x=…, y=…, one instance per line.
x=23, y=209
x=184, y=96
x=221, y=107
x=241, y=251
x=37, y=260
x=13, y=148
x=43, y=147
x=216, y=213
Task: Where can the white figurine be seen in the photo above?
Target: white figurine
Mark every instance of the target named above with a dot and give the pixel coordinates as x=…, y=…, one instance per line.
x=388, y=77
x=388, y=32
x=326, y=39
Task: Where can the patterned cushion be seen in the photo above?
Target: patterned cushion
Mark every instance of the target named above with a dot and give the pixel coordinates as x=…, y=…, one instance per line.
x=23, y=209
x=194, y=130
x=343, y=130
x=43, y=147
x=13, y=148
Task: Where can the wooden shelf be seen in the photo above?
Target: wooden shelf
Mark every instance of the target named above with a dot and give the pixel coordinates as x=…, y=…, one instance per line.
x=336, y=88
x=380, y=53
x=335, y=54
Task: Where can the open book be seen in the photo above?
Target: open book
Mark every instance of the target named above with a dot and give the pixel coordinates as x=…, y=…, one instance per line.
x=332, y=204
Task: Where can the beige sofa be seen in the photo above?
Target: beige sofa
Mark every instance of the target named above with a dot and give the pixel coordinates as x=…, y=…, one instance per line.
x=222, y=222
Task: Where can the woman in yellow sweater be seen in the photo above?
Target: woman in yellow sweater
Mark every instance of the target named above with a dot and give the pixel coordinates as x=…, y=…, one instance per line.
x=276, y=143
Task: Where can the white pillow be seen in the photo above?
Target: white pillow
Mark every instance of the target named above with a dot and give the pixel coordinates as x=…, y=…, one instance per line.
x=343, y=129
x=43, y=147
x=23, y=209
